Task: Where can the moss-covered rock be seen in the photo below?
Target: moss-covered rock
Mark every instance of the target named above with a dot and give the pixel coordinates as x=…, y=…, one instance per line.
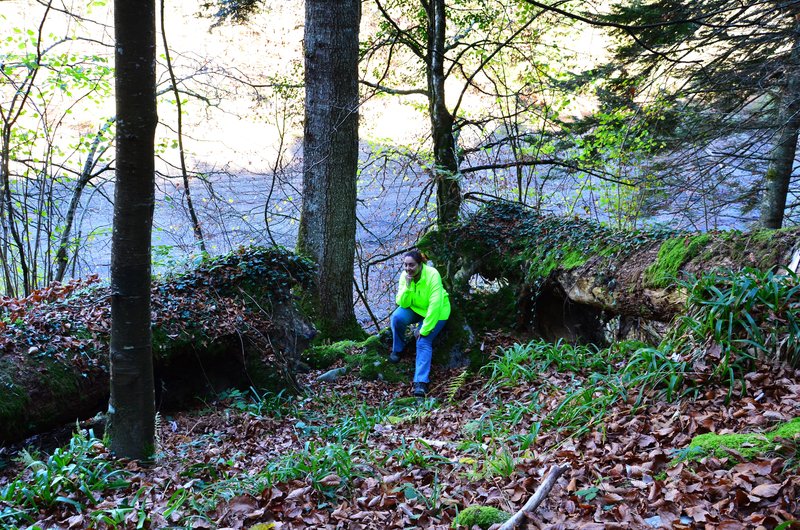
x=482, y=516
x=229, y=322
x=368, y=358
x=749, y=445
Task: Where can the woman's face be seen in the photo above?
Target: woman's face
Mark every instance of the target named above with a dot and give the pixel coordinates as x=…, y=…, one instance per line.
x=411, y=267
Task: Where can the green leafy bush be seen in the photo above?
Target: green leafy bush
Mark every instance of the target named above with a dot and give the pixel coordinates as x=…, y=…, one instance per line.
x=733, y=318
x=75, y=476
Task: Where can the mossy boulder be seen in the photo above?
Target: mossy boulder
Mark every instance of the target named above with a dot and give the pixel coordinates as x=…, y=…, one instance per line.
x=324, y=356
x=482, y=516
x=749, y=445
x=368, y=358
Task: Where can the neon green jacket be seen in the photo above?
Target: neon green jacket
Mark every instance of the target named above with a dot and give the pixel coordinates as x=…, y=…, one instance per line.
x=425, y=297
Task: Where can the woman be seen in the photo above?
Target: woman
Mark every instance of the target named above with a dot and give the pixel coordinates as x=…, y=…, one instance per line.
x=423, y=301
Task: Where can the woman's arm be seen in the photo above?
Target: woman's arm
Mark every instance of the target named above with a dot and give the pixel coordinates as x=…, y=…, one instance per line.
x=404, y=292
x=435, y=300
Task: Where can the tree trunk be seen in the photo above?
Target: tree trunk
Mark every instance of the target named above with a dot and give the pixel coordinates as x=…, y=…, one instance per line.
x=564, y=277
x=330, y=160
x=779, y=172
x=62, y=260
x=448, y=190
x=131, y=409
x=219, y=326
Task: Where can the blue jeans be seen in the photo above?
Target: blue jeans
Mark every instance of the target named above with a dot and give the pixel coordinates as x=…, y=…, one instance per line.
x=401, y=318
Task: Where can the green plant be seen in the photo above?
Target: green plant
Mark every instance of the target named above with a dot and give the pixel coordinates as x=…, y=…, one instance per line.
x=120, y=516
x=431, y=496
x=72, y=476
x=275, y=404
x=501, y=463
x=650, y=368
x=418, y=453
x=482, y=516
x=586, y=407
x=455, y=384
x=734, y=317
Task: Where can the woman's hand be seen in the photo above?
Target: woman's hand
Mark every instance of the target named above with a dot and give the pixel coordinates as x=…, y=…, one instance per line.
x=409, y=279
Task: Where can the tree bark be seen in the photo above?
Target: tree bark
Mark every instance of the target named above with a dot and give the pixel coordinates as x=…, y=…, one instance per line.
x=448, y=190
x=779, y=172
x=330, y=159
x=131, y=409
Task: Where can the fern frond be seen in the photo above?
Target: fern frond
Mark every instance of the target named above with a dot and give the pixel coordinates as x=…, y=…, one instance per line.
x=158, y=431
x=455, y=385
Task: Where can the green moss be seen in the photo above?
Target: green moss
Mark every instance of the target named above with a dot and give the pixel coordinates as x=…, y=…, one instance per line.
x=748, y=445
x=763, y=235
x=324, y=355
x=371, y=365
x=572, y=259
x=672, y=254
x=13, y=398
x=266, y=377
x=332, y=330
x=483, y=516
x=60, y=380
x=368, y=358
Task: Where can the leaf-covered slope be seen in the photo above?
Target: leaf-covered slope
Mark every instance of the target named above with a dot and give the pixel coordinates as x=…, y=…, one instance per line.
x=355, y=454
x=236, y=312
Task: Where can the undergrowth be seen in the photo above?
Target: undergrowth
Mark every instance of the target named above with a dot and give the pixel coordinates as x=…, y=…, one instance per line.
x=731, y=321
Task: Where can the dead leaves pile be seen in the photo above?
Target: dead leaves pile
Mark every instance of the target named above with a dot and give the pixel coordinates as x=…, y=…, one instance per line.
x=417, y=473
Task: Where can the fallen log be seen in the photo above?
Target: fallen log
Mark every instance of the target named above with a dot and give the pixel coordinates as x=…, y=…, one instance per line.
x=230, y=322
x=538, y=496
x=566, y=277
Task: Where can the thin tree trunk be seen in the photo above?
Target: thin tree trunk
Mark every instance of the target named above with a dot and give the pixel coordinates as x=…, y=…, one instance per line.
x=62, y=260
x=448, y=190
x=779, y=172
x=196, y=229
x=330, y=159
x=132, y=404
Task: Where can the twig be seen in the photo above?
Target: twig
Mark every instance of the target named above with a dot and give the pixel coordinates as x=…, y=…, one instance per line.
x=536, y=499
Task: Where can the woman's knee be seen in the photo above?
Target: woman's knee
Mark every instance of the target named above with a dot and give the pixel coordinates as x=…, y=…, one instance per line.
x=398, y=318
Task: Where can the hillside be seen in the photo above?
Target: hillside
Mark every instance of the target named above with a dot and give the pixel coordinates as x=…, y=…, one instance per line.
x=355, y=454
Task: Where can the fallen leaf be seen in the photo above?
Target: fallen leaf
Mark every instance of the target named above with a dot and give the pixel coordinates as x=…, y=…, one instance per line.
x=766, y=491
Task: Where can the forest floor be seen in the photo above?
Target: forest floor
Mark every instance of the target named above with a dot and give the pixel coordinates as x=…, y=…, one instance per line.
x=357, y=454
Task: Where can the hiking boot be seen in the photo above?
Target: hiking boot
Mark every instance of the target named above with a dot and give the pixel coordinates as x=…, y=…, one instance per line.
x=420, y=389
x=394, y=357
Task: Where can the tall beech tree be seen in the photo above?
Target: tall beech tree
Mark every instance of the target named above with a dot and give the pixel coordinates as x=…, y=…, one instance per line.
x=330, y=159
x=132, y=405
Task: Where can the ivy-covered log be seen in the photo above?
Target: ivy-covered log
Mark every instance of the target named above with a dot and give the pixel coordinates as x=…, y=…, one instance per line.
x=230, y=322
x=565, y=277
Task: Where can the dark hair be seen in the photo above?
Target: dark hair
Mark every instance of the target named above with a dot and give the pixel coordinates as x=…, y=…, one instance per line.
x=416, y=255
